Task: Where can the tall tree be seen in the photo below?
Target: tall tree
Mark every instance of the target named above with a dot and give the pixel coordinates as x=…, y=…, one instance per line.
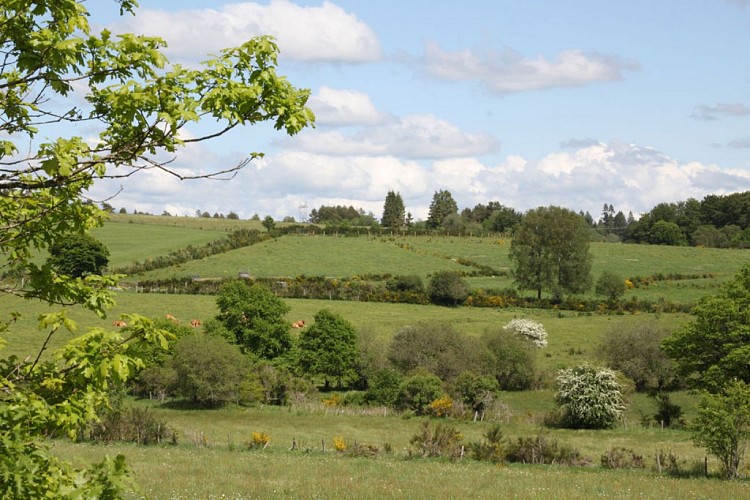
x=256, y=317
x=394, y=212
x=550, y=251
x=78, y=255
x=140, y=105
x=328, y=348
x=441, y=207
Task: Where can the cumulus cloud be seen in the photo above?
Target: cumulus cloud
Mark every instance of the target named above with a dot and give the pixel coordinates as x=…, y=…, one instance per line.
x=414, y=137
x=316, y=33
x=713, y=112
x=509, y=71
x=345, y=107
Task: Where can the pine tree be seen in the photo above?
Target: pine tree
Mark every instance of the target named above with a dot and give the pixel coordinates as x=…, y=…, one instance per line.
x=393, y=211
x=441, y=207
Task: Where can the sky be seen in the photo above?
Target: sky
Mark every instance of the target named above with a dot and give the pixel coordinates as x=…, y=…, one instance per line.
x=574, y=103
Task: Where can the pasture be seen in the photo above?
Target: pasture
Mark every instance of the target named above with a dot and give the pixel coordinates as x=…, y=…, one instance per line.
x=218, y=464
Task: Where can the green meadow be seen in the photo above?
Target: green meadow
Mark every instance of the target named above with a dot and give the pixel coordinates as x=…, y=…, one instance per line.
x=211, y=459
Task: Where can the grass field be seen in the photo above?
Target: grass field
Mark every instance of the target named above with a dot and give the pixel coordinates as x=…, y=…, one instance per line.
x=225, y=469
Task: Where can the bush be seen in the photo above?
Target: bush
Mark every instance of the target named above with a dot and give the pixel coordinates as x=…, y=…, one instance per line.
x=622, y=458
x=384, y=388
x=447, y=288
x=610, y=286
x=635, y=351
x=528, y=329
x=475, y=390
x=589, y=397
x=492, y=449
x=438, y=348
x=78, y=255
x=418, y=391
x=408, y=283
x=513, y=360
x=667, y=414
x=209, y=370
x=137, y=425
x=543, y=450
x=440, y=441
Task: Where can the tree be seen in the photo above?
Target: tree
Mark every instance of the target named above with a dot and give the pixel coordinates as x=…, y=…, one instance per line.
x=140, y=105
x=723, y=425
x=666, y=233
x=208, y=369
x=394, y=212
x=610, y=286
x=550, y=251
x=636, y=351
x=328, y=348
x=78, y=255
x=589, y=397
x=268, y=223
x=512, y=359
x=447, y=288
x=256, y=318
x=714, y=347
x=441, y=207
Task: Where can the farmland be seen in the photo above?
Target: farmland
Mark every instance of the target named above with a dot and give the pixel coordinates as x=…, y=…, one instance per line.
x=212, y=459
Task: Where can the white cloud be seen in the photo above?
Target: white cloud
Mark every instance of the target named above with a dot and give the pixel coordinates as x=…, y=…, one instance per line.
x=508, y=71
x=320, y=33
x=345, y=107
x=712, y=112
x=414, y=136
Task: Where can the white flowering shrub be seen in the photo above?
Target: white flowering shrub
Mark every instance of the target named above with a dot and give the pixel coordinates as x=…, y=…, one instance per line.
x=529, y=329
x=589, y=397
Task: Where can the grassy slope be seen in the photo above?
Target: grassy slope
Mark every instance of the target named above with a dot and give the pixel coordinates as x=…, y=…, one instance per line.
x=187, y=471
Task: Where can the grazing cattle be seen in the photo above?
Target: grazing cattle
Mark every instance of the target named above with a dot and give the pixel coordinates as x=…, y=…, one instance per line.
x=195, y=323
x=119, y=322
x=299, y=324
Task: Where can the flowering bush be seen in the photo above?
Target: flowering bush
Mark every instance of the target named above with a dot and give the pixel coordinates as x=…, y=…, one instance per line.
x=529, y=329
x=589, y=397
x=339, y=444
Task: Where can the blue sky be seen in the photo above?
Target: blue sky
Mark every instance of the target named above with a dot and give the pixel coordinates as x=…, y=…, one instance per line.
x=571, y=102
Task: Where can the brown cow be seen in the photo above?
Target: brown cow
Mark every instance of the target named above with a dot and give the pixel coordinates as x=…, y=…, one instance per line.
x=119, y=322
x=172, y=318
x=195, y=323
x=299, y=324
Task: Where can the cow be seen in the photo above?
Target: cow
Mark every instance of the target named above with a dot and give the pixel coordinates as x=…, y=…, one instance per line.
x=172, y=318
x=119, y=322
x=195, y=323
x=299, y=324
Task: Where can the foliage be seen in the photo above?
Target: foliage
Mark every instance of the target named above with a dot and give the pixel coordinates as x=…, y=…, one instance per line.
x=550, y=251
x=77, y=255
x=723, y=425
x=477, y=391
x=667, y=414
x=441, y=441
x=528, y=329
x=256, y=317
x=447, y=288
x=417, y=391
x=384, y=387
x=714, y=347
x=394, y=212
x=666, y=233
x=436, y=347
x=441, y=407
x=268, y=223
x=492, y=448
x=405, y=283
x=610, y=286
x=513, y=360
x=442, y=206
x=137, y=425
x=589, y=397
x=209, y=371
x=258, y=440
x=339, y=214
x=328, y=348
x=139, y=104
x=622, y=458
x=541, y=449
x=635, y=350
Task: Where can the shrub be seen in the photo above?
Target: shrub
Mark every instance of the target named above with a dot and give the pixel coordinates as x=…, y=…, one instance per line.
x=622, y=458
x=528, y=329
x=610, y=286
x=635, y=350
x=258, y=440
x=339, y=444
x=447, y=288
x=408, y=283
x=137, y=425
x=440, y=441
x=436, y=347
x=384, y=387
x=440, y=407
x=589, y=397
x=475, y=390
x=492, y=448
x=418, y=391
x=543, y=450
x=667, y=413
x=513, y=360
